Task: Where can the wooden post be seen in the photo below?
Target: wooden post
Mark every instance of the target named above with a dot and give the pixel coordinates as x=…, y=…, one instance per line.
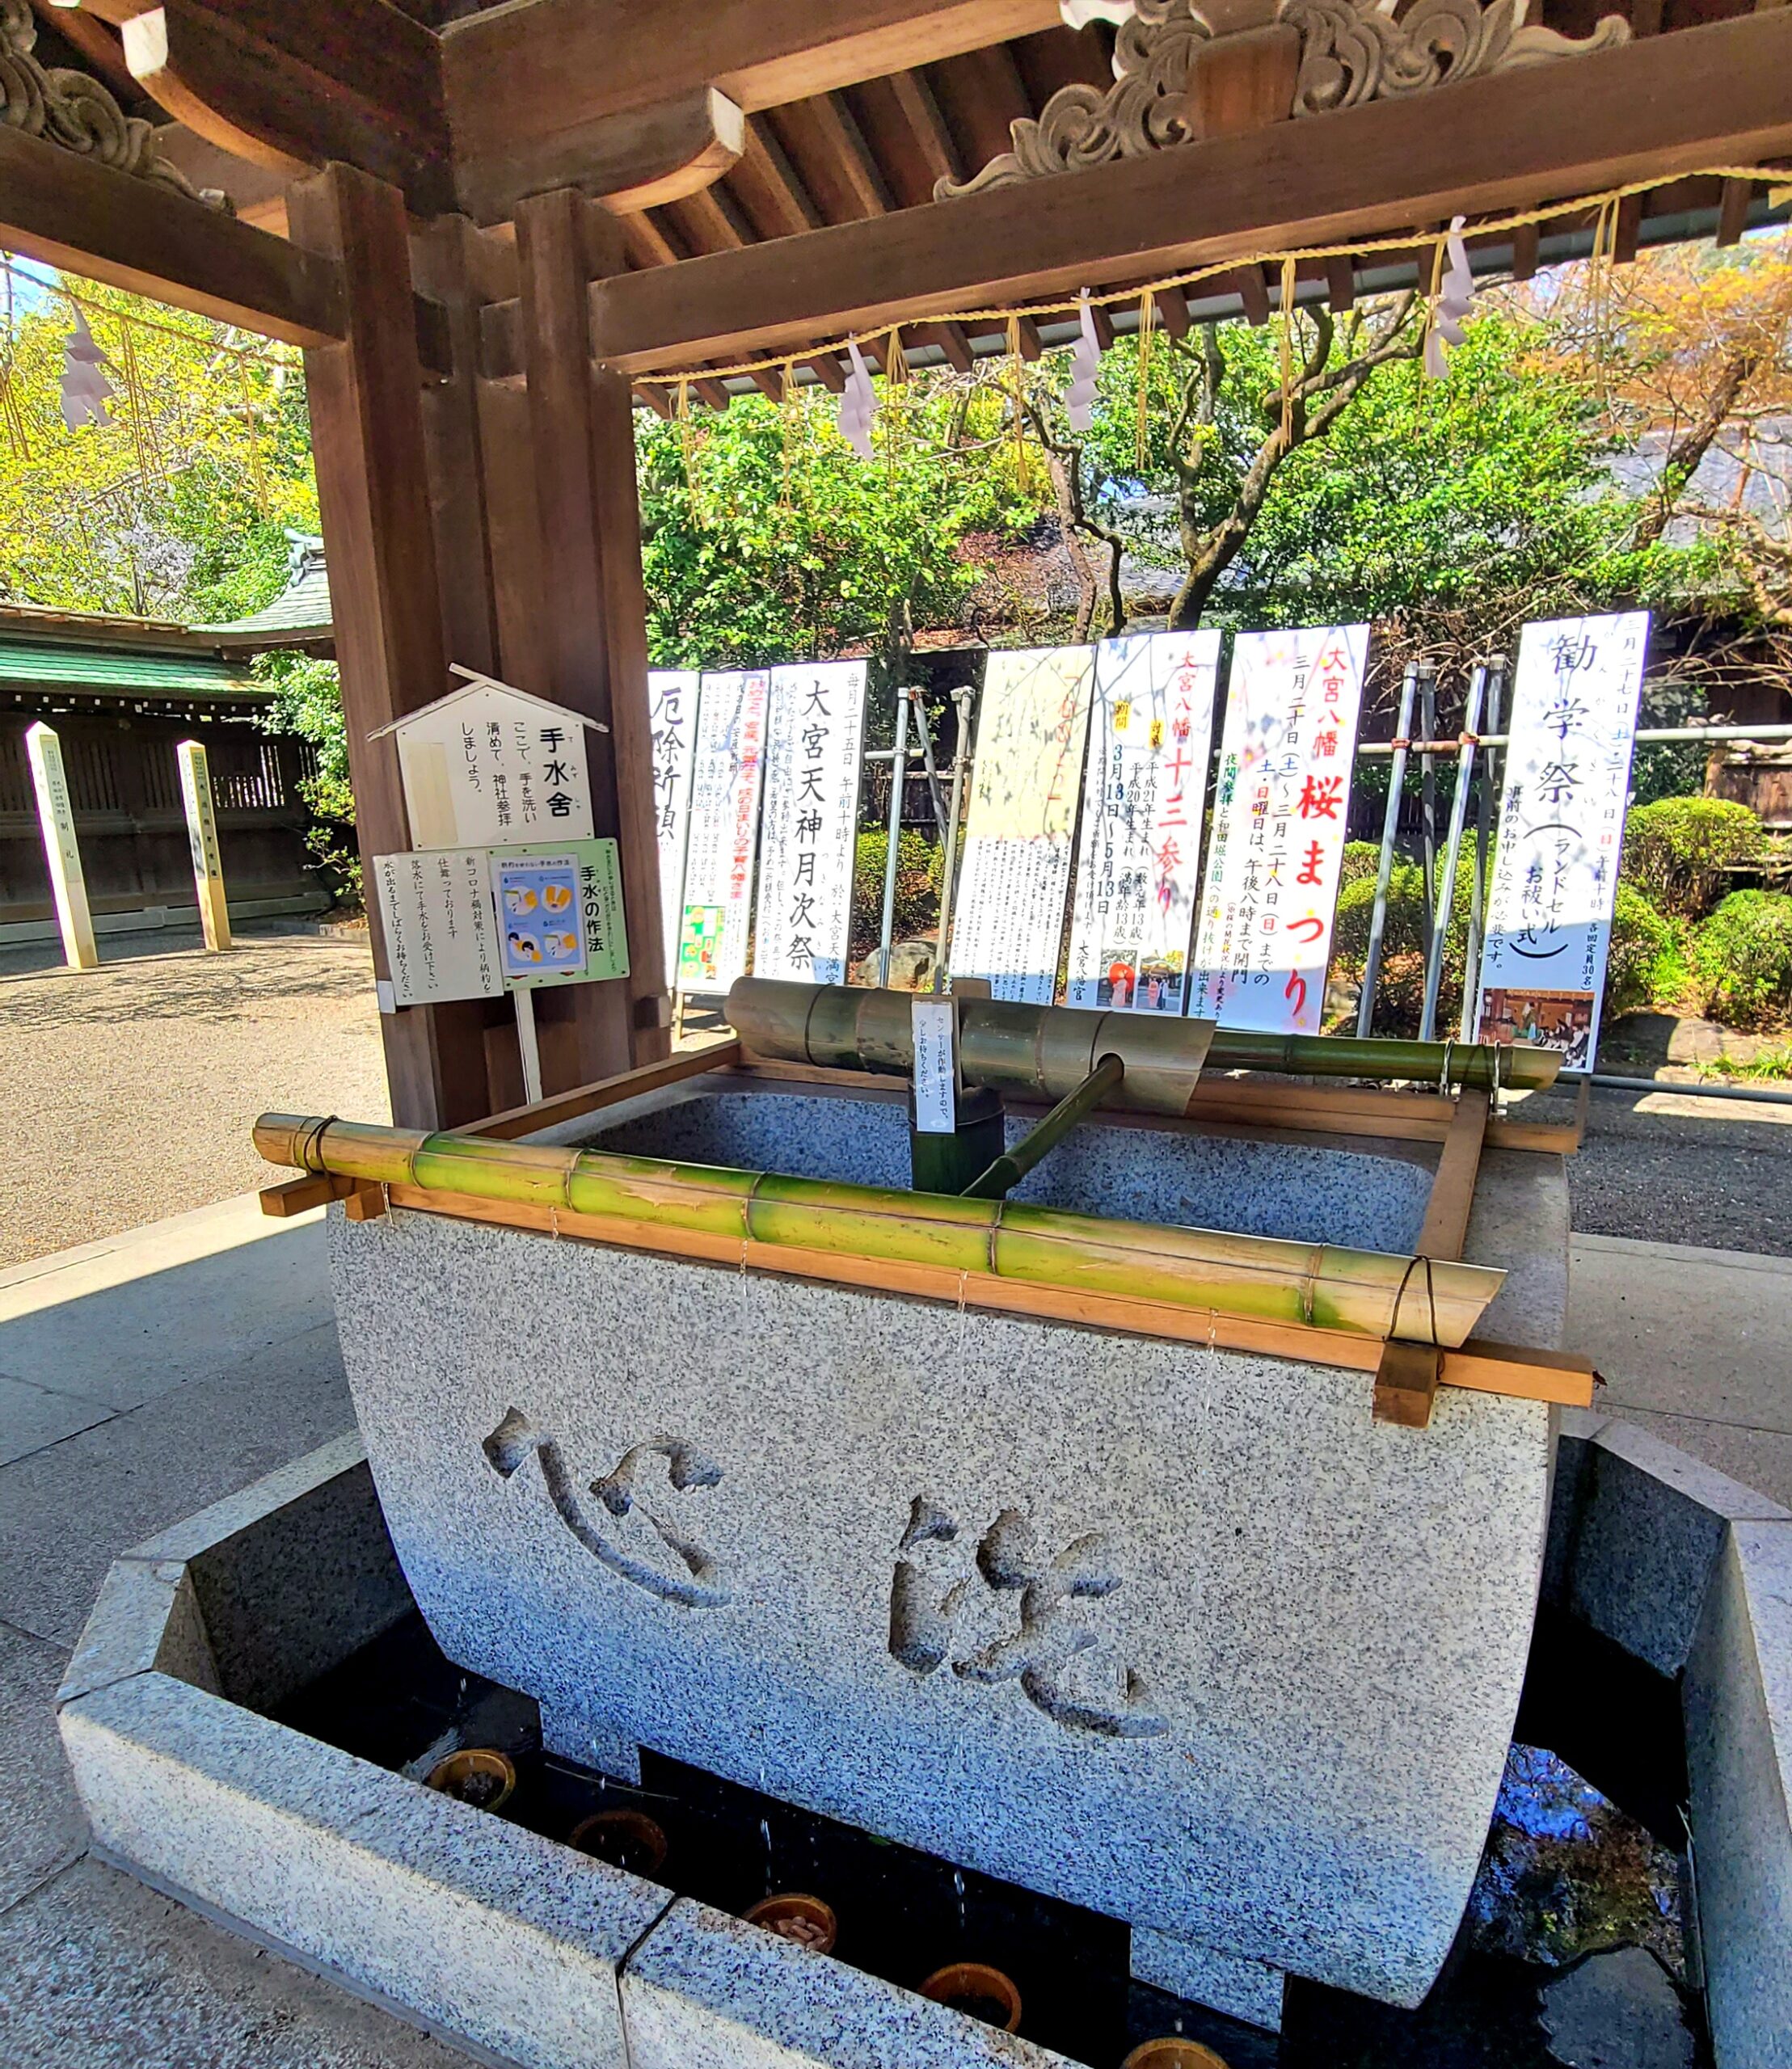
x=375, y=497
x=582, y=440
x=195, y=795
x=61, y=853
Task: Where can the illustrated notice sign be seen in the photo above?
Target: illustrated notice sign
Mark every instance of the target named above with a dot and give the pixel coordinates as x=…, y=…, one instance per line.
x=671, y=719
x=809, y=821
x=724, y=822
x=1016, y=874
x=1144, y=789
x=1554, y=886
x=440, y=927
x=1277, y=845
x=560, y=910
x=488, y=766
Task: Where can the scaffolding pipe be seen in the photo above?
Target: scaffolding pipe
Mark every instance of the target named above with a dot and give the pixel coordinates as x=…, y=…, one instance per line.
x=1468, y=1025
x=962, y=697
x=899, y=769
x=1452, y=850
x=1384, y=870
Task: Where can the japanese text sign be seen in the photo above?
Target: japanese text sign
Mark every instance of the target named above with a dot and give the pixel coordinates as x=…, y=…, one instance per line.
x=491, y=767
x=671, y=722
x=560, y=910
x=1264, y=940
x=1573, y=731
x=809, y=822
x=934, y=1025
x=441, y=928
x=1016, y=875
x=1145, y=790
x=728, y=767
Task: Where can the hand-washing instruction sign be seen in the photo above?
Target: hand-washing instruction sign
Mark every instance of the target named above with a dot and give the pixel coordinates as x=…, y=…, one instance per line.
x=1145, y=791
x=1264, y=940
x=560, y=914
x=1008, y=923
x=440, y=927
x=671, y=723
x=488, y=766
x=935, y=1031
x=724, y=825
x=1572, y=735
x=809, y=822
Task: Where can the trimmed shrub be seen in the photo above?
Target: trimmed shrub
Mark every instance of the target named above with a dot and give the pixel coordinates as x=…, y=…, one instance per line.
x=1646, y=966
x=1677, y=849
x=1742, y=958
x=921, y=874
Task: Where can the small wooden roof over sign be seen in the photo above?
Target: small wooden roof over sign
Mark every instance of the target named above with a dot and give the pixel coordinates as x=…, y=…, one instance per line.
x=488, y=765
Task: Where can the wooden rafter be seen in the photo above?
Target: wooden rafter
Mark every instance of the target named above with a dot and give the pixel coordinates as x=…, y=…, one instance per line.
x=774, y=196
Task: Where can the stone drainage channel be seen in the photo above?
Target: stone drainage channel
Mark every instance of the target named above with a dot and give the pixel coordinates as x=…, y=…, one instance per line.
x=256, y=1697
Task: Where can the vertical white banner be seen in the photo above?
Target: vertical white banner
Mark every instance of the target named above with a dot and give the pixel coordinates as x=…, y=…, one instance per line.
x=196, y=798
x=61, y=850
x=1009, y=919
x=671, y=718
x=1277, y=841
x=1573, y=731
x=724, y=828
x=1139, y=852
x=815, y=729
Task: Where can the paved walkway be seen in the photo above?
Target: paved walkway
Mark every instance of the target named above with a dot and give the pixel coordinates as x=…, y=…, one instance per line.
x=145, y=1376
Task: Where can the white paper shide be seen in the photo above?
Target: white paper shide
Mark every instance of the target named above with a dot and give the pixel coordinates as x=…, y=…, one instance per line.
x=1144, y=786
x=1573, y=732
x=1277, y=845
x=1009, y=921
x=808, y=822
x=729, y=762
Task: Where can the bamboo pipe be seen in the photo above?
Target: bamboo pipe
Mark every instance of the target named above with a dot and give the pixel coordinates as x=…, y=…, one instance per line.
x=1358, y=1293
x=1008, y=1170
x=1033, y=1051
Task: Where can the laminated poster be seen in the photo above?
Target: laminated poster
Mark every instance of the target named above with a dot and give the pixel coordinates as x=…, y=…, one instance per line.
x=1145, y=790
x=1008, y=925
x=1573, y=731
x=1277, y=845
x=728, y=763
x=808, y=822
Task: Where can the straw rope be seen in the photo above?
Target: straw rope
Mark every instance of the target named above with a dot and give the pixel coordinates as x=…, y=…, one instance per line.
x=1604, y=207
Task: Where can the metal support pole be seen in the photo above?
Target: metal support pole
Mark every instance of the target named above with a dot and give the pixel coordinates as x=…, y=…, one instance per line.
x=1452, y=850
x=926, y=732
x=1483, y=837
x=1428, y=765
x=961, y=762
x=1390, y=826
x=898, y=770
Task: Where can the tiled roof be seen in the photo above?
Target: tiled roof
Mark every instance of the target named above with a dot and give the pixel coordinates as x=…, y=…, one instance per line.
x=299, y=614
x=110, y=671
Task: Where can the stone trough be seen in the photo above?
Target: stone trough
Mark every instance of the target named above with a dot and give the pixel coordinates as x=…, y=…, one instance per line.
x=1176, y=1632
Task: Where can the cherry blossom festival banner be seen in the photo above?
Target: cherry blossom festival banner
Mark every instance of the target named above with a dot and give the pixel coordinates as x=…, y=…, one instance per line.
x=671, y=718
x=1009, y=920
x=809, y=821
x=727, y=765
x=1573, y=731
x=1145, y=790
x=1277, y=845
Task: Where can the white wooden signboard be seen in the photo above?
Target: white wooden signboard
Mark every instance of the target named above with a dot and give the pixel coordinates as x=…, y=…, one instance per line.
x=1277, y=841
x=196, y=798
x=671, y=716
x=1573, y=731
x=808, y=822
x=1009, y=919
x=1139, y=852
x=61, y=850
x=488, y=766
x=724, y=824
x=440, y=925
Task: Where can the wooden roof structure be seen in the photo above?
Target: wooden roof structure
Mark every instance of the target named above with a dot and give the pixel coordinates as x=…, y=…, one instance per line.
x=504, y=224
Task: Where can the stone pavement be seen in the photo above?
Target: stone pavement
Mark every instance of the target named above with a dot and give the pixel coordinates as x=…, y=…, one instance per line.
x=144, y=1376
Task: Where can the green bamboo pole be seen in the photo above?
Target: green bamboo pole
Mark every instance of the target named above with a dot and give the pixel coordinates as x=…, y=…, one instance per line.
x=1031, y=1051
x=1360, y=1293
x=1008, y=1170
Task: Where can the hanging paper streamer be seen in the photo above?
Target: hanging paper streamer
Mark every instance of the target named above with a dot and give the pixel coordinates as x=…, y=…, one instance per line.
x=85, y=390
x=1079, y=397
x=1454, y=298
x=859, y=404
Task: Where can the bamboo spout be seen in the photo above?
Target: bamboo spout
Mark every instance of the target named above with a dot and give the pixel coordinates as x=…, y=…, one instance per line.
x=1035, y=1051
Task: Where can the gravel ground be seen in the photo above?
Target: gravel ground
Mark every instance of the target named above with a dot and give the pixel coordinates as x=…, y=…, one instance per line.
x=1716, y=1172
x=126, y=1093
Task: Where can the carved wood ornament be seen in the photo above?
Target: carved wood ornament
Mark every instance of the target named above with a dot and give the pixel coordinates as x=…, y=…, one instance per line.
x=71, y=110
x=1347, y=52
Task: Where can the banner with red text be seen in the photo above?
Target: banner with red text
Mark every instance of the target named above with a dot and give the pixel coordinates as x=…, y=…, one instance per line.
x=729, y=761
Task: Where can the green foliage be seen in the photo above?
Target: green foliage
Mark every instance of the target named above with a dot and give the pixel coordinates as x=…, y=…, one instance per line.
x=178, y=505
x=1675, y=851
x=1646, y=963
x=921, y=874
x=779, y=543
x=1742, y=958
x=307, y=702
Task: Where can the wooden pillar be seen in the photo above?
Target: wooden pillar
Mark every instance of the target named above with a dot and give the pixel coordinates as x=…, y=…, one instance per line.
x=373, y=494
x=582, y=442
